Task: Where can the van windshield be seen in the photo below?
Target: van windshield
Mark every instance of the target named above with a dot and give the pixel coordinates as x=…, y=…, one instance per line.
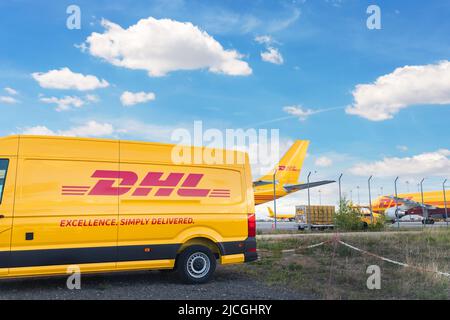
x=3, y=170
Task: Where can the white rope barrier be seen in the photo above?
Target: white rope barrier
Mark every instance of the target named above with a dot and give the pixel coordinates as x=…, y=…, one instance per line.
x=336, y=239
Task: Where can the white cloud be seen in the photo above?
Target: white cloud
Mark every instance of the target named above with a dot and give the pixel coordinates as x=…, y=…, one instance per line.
x=65, y=103
x=406, y=86
x=402, y=148
x=92, y=98
x=283, y=23
x=335, y=3
x=8, y=100
x=162, y=46
x=64, y=78
x=218, y=20
x=272, y=55
x=116, y=128
x=11, y=91
x=135, y=129
x=82, y=47
x=131, y=98
x=39, y=131
x=89, y=129
x=323, y=161
x=299, y=112
x=426, y=164
x=69, y=102
x=264, y=39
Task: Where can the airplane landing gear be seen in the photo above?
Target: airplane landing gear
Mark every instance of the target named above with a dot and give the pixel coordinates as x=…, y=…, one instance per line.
x=428, y=221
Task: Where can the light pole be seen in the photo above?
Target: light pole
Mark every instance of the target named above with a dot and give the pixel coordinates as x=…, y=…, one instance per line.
x=308, y=216
x=340, y=194
x=359, y=202
x=351, y=196
x=396, y=203
x=445, y=201
x=275, y=198
x=423, y=207
x=370, y=201
x=407, y=186
x=320, y=197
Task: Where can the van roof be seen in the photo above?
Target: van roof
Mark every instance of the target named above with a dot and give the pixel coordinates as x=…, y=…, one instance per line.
x=12, y=138
x=78, y=138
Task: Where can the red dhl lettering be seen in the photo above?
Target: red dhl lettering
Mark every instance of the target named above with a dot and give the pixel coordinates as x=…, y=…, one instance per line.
x=124, y=222
x=287, y=168
x=181, y=184
x=172, y=221
x=87, y=222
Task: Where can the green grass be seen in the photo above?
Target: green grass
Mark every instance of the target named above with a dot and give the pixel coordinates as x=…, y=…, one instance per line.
x=337, y=272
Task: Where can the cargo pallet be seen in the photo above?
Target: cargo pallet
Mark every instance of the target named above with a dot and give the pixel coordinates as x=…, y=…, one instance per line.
x=314, y=217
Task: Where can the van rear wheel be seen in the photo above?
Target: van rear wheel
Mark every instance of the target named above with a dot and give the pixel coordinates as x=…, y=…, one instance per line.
x=195, y=265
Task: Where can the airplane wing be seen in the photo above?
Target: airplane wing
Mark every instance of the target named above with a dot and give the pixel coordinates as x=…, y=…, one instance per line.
x=302, y=186
x=411, y=203
x=262, y=183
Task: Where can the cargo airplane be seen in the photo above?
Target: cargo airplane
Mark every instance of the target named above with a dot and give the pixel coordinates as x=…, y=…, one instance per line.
x=411, y=204
x=281, y=216
x=286, y=176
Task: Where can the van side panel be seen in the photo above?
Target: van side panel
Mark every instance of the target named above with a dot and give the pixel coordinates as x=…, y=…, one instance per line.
x=176, y=203
x=56, y=221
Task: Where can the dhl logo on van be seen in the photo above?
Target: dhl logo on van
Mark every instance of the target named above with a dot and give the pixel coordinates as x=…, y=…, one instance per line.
x=184, y=184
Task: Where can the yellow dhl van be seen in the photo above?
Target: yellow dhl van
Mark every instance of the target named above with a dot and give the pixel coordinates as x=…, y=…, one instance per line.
x=109, y=205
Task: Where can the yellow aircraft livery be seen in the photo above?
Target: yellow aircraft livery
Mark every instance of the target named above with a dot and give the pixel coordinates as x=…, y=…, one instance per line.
x=411, y=204
x=280, y=215
x=286, y=175
x=109, y=205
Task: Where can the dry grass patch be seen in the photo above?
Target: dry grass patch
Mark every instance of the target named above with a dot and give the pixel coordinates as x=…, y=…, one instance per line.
x=337, y=272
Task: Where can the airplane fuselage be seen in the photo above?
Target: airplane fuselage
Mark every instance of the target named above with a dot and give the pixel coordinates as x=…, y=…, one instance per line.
x=387, y=205
x=433, y=198
x=265, y=193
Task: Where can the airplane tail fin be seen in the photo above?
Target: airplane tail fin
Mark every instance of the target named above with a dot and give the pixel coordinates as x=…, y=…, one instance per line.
x=271, y=214
x=290, y=165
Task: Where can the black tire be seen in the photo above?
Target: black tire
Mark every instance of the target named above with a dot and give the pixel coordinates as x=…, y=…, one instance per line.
x=196, y=265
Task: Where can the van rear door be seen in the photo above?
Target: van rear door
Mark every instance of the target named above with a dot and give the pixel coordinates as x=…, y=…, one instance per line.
x=7, y=182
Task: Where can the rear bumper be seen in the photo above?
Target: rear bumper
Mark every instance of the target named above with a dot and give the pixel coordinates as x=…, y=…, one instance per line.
x=246, y=247
x=250, y=256
x=250, y=253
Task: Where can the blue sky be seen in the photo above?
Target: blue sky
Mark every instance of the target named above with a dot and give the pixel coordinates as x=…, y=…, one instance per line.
x=326, y=49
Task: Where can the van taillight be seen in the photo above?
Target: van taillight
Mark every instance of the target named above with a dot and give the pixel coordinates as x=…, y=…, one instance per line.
x=251, y=225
